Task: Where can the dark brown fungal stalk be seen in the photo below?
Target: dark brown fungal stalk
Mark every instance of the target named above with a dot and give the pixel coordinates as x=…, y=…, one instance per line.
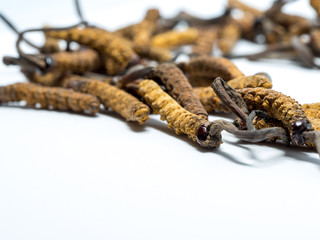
x=179, y=88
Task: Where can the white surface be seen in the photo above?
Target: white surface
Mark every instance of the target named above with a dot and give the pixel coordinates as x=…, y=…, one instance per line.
x=66, y=176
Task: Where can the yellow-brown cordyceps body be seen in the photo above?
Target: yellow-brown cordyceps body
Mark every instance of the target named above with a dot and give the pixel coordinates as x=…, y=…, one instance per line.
x=245, y=8
x=116, y=51
x=205, y=42
x=142, y=32
x=316, y=6
x=212, y=102
x=179, y=88
x=57, y=64
x=315, y=41
x=279, y=106
x=51, y=45
x=179, y=119
x=228, y=37
x=49, y=97
x=84, y=60
x=118, y=100
x=201, y=71
x=159, y=54
x=172, y=39
x=45, y=79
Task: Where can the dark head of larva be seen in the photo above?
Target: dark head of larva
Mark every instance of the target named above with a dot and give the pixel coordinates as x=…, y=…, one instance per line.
x=297, y=128
x=202, y=133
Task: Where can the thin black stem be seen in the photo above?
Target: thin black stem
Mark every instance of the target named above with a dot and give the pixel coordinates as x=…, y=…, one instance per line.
x=13, y=28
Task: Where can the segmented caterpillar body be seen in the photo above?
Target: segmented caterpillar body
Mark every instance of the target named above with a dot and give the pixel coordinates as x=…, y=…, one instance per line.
x=203, y=70
x=212, y=102
x=118, y=100
x=278, y=105
x=175, y=38
x=204, y=44
x=179, y=88
x=49, y=97
x=229, y=35
x=117, y=51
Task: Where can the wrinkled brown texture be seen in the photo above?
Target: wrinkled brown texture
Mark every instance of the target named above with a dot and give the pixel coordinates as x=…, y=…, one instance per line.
x=228, y=37
x=85, y=60
x=211, y=101
x=116, y=51
x=178, y=119
x=316, y=6
x=179, y=88
x=275, y=104
x=205, y=42
x=201, y=71
x=315, y=41
x=172, y=39
x=51, y=45
x=49, y=97
x=240, y=5
x=118, y=100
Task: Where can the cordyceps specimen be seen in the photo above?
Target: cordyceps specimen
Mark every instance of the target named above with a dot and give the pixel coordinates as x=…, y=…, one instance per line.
x=228, y=37
x=49, y=97
x=50, y=45
x=312, y=110
x=112, y=97
x=212, y=102
x=316, y=6
x=179, y=88
x=206, y=39
x=56, y=64
x=172, y=39
x=207, y=134
x=201, y=71
x=281, y=107
x=300, y=130
x=116, y=51
x=142, y=32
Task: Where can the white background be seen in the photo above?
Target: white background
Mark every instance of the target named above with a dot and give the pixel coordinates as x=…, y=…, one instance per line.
x=67, y=176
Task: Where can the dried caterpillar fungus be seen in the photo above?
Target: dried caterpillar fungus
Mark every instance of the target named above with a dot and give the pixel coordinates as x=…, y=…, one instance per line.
x=174, y=38
x=204, y=69
x=117, y=52
x=212, y=102
x=280, y=106
x=49, y=97
x=118, y=100
x=177, y=117
x=179, y=88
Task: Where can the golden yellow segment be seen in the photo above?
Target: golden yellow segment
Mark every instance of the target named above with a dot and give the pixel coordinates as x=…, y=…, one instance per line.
x=81, y=61
x=275, y=104
x=311, y=106
x=228, y=38
x=175, y=38
x=112, y=97
x=117, y=51
x=176, y=116
x=46, y=79
x=50, y=97
x=205, y=42
x=159, y=54
x=312, y=113
x=316, y=6
x=202, y=70
x=246, y=8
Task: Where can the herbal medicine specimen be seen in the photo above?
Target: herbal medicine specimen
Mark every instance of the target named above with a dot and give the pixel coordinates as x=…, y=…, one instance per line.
x=175, y=38
x=118, y=100
x=202, y=70
x=179, y=88
x=179, y=119
x=204, y=44
x=49, y=97
x=117, y=51
x=280, y=106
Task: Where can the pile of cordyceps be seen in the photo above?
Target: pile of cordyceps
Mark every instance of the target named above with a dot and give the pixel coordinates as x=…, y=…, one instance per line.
x=133, y=71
